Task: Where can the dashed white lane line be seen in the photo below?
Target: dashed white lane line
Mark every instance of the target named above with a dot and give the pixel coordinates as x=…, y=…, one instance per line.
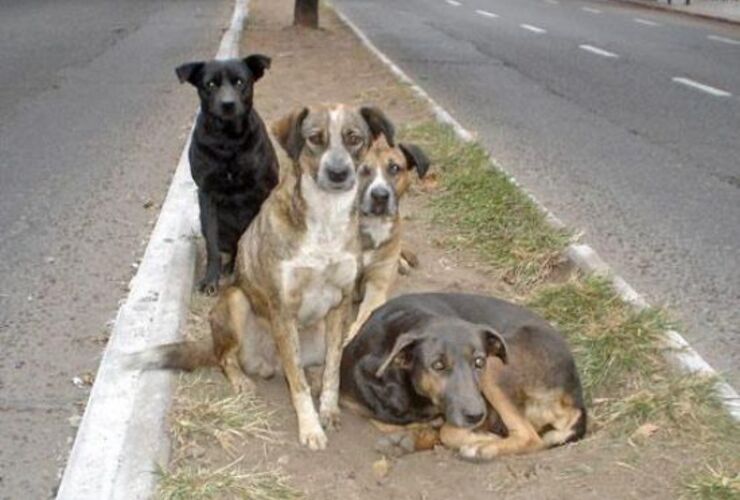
x=700, y=86
x=533, y=29
x=646, y=22
x=552, y=2
x=454, y=3
x=591, y=10
x=598, y=51
x=485, y=13
x=723, y=39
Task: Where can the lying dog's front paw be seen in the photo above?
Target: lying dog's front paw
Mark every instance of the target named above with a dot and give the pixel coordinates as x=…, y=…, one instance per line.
x=396, y=444
x=478, y=452
x=330, y=418
x=314, y=438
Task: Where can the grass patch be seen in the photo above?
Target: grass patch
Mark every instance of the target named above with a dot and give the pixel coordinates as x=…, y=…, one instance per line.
x=207, y=412
x=715, y=483
x=189, y=482
x=489, y=211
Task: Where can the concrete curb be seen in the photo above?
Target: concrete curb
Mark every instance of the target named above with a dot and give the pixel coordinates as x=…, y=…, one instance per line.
x=123, y=434
x=678, y=10
x=678, y=351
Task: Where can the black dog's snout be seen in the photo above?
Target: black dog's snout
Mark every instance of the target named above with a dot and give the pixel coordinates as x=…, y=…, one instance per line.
x=228, y=105
x=337, y=175
x=473, y=418
x=380, y=195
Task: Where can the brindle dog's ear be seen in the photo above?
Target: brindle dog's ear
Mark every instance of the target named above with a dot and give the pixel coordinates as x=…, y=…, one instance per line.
x=287, y=131
x=257, y=64
x=416, y=158
x=379, y=124
x=190, y=72
x=495, y=344
x=401, y=352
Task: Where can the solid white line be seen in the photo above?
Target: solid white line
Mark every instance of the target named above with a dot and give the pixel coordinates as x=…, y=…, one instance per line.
x=454, y=3
x=723, y=39
x=646, y=22
x=597, y=51
x=591, y=10
x=533, y=29
x=700, y=86
x=486, y=13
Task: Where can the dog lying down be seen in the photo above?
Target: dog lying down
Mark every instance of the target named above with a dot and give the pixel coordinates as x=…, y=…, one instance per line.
x=481, y=375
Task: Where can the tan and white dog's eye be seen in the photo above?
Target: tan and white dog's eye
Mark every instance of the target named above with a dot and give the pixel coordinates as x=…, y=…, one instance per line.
x=438, y=365
x=353, y=139
x=394, y=168
x=316, y=139
x=365, y=170
x=480, y=362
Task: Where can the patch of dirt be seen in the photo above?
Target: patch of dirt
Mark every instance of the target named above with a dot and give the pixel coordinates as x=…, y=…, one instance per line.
x=331, y=65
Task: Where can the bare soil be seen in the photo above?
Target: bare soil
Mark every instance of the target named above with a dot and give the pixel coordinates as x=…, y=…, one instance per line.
x=330, y=64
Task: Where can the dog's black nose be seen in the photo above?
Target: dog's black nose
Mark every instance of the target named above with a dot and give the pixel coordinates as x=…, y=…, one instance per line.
x=380, y=195
x=228, y=106
x=337, y=175
x=473, y=418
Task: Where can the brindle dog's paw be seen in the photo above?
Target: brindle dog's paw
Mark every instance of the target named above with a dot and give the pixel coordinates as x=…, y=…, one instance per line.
x=477, y=453
x=330, y=419
x=243, y=385
x=314, y=439
x=396, y=444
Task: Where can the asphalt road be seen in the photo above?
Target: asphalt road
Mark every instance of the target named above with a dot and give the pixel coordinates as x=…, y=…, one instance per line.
x=577, y=99
x=93, y=121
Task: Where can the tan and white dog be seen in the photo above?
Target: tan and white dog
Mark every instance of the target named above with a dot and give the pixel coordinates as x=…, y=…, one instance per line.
x=385, y=176
x=297, y=266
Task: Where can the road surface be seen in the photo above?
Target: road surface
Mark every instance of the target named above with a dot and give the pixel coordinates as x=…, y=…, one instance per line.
x=93, y=121
x=624, y=121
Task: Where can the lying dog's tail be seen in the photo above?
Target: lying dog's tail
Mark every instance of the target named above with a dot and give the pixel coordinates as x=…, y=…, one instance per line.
x=185, y=356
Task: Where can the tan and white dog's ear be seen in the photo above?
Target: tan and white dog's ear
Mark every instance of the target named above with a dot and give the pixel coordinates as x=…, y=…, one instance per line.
x=378, y=124
x=415, y=158
x=401, y=352
x=287, y=131
x=495, y=344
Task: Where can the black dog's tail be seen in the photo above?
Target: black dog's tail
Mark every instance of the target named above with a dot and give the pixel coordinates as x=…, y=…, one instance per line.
x=185, y=356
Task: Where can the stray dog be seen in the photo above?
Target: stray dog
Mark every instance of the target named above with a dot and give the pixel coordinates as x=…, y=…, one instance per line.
x=231, y=157
x=296, y=269
x=385, y=175
x=424, y=356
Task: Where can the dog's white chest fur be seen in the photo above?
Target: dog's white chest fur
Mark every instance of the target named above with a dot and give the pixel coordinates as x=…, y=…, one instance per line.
x=323, y=269
x=379, y=231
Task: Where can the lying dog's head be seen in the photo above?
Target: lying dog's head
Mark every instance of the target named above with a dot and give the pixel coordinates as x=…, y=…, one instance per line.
x=225, y=87
x=328, y=143
x=445, y=357
x=385, y=175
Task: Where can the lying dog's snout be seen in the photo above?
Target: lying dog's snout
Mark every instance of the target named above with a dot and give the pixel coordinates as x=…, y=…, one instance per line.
x=337, y=174
x=473, y=418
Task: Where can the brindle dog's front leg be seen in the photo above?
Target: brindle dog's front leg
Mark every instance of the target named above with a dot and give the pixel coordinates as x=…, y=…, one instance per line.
x=335, y=324
x=286, y=336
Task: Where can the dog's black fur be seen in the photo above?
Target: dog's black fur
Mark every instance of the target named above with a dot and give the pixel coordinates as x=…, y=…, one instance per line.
x=231, y=157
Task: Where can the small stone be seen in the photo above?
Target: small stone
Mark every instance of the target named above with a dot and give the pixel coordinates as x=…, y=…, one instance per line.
x=381, y=468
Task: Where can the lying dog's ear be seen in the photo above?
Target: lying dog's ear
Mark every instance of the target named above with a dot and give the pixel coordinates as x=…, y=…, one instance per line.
x=287, y=131
x=190, y=72
x=378, y=124
x=401, y=352
x=415, y=158
x=257, y=64
x=495, y=344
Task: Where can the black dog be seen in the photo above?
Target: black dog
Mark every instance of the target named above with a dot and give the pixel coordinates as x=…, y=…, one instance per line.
x=231, y=157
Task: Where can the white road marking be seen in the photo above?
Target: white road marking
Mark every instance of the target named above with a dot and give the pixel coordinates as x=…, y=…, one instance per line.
x=723, y=39
x=591, y=10
x=486, y=13
x=646, y=22
x=700, y=86
x=552, y=2
x=454, y=3
x=533, y=29
x=598, y=51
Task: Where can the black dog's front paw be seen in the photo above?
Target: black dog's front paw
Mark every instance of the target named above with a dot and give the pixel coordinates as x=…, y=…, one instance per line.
x=208, y=286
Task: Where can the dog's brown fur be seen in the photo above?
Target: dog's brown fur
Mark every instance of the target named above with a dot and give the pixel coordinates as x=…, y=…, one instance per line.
x=296, y=269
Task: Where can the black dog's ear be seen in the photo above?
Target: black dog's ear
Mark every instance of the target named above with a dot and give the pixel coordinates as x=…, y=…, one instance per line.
x=379, y=124
x=287, y=131
x=257, y=64
x=416, y=158
x=495, y=344
x=401, y=352
x=190, y=72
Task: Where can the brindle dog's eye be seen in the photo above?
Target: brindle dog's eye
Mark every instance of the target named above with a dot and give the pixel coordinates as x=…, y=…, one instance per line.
x=480, y=362
x=394, y=168
x=438, y=365
x=353, y=139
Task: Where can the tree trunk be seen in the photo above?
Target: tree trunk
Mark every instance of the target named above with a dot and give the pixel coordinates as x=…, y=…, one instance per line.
x=306, y=13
